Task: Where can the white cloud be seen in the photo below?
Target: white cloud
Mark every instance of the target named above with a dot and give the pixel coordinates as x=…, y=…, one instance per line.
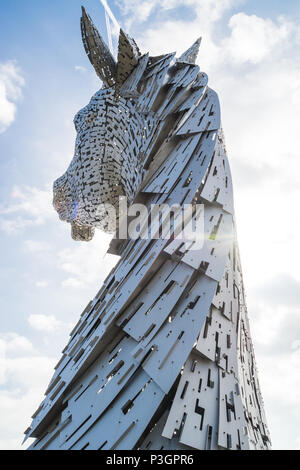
x=28, y=379
x=17, y=357
x=164, y=35
x=280, y=381
x=17, y=405
x=270, y=327
x=42, y=284
x=79, y=68
x=35, y=246
x=296, y=344
x=47, y=323
x=11, y=83
x=141, y=10
x=25, y=374
x=71, y=281
x=28, y=206
x=253, y=38
x=286, y=368
x=87, y=263
x=207, y=10
x=11, y=343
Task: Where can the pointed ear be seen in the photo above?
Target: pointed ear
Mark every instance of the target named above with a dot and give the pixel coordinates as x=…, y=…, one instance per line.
x=128, y=57
x=191, y=54
x=98, y=52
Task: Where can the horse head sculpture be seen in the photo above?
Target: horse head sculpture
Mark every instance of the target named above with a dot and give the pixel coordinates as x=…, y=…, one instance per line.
x=119, y=131
x=162, y=357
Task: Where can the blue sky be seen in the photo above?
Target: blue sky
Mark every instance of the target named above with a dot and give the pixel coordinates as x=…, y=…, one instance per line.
x=250, y=52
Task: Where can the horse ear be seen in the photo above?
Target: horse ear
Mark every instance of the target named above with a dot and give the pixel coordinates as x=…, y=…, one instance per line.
x=97, y=51
x=191, y=54
x=128, y=57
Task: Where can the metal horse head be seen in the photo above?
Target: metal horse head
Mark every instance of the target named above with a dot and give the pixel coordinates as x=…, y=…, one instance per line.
x=122, y=127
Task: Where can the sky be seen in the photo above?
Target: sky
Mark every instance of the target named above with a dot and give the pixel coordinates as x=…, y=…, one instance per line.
x=250, y=51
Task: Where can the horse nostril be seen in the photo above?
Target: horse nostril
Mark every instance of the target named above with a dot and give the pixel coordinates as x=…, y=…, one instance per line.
x=82, y=232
